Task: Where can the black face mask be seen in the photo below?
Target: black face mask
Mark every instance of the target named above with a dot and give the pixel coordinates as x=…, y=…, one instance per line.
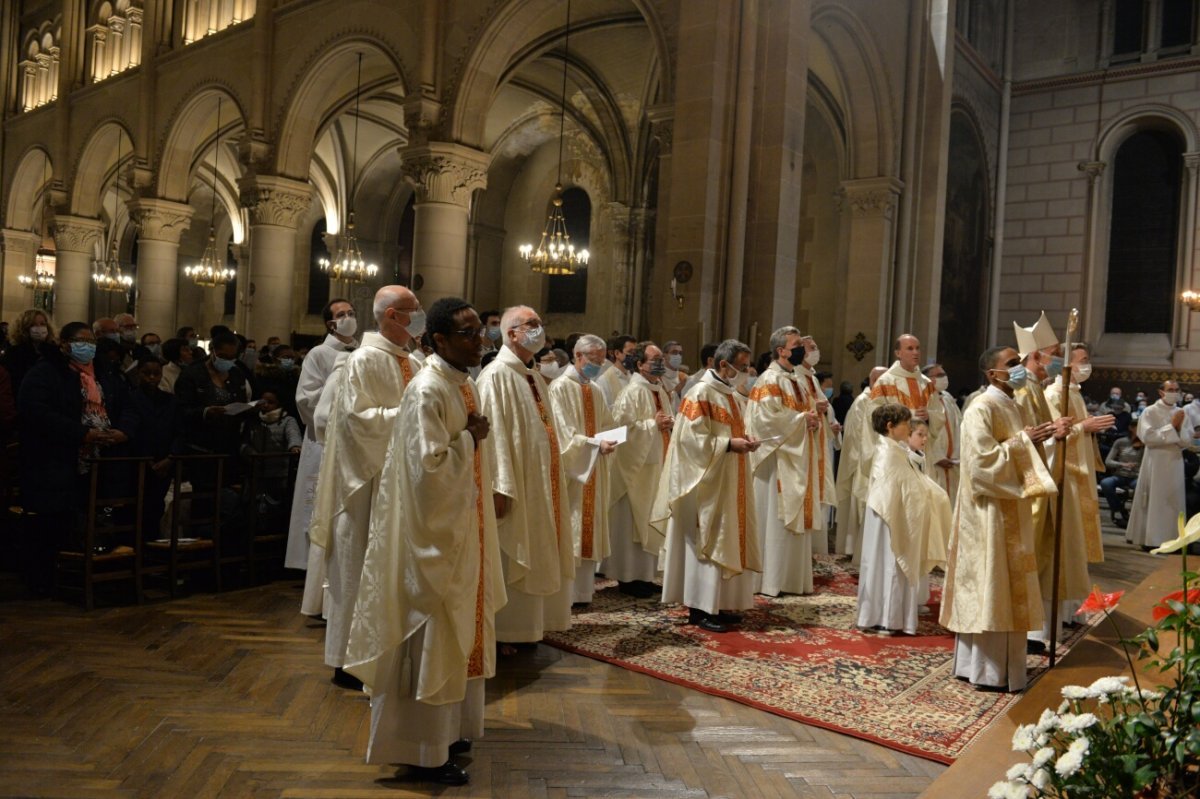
x=630, y=363
x=796, y=356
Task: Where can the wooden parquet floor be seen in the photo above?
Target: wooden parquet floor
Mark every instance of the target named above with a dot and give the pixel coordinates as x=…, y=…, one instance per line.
x=227, y=696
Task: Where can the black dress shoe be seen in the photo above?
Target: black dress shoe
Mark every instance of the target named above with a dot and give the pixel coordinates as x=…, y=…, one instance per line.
x=1035, y=647
x=650, y=589
x=729, y=617
x=460, y=747
x=343, y=679
x=446, y=774
x=637, y=589
x=706, y=621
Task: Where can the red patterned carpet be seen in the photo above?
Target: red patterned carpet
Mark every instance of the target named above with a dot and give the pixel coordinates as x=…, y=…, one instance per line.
x=801, y=657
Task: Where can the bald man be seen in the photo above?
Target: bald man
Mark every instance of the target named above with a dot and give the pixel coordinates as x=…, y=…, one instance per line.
x=903, y=383
x=356, y=412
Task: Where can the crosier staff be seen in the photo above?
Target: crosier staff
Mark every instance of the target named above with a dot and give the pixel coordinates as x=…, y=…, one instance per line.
x=1056, y=562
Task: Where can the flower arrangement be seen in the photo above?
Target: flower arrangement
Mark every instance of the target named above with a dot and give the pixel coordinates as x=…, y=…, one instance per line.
x=1113, y=739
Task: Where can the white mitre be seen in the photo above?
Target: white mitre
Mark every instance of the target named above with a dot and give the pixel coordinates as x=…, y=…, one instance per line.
x=1039, y=337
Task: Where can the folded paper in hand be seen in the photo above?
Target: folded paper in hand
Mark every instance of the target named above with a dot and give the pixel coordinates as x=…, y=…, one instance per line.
x=616, y=435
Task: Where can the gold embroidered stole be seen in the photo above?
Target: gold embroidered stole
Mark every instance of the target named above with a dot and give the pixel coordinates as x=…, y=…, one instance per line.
x=587, y=531
x=475, y=661
x=555, y=488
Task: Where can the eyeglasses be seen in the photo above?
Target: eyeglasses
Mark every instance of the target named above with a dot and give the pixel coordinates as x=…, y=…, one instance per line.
x=469, y=332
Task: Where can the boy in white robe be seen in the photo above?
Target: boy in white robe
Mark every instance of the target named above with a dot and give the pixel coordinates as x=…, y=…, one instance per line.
x=580, y=412
x=423, y=636
x=705, y=502
x=907, y=526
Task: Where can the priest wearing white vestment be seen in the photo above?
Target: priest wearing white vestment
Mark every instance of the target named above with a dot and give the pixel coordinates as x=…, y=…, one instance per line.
x=615, y=377
x=991, y=597
x=826, y=437
x=941, y=453
x=580, y=412
x=1159, y=497
x=904, y=383
x=852, y=479
x=787, y=469
x=644, y=407
x=364, y=400
x=528, y=485
x=1081, y=540
x=705, y=502
x=423, y=639
x=907, y=526
x=341, y=324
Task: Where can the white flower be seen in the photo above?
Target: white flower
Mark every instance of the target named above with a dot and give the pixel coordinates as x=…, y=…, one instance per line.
x=1022, y=740
x=1043, y=756
x=1041, y=778
x=1072, y=723
x=1070, y=762
x=1008, y=790
x=1076, y=692
x=1108, y=685
x=1048, y=721
x=1018, y=771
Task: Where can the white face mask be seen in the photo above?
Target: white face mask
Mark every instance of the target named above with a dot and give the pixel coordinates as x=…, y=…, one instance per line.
x=38, y=332
x=1081, y=373
x=416, y=324
x=739, y=379
x=550, y=370
x=941, y=383
x=1171, y=397
x=534, y=339
x=346, y=326
x=813, y=358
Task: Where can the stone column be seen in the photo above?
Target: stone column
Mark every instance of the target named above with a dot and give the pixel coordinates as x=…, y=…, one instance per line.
x=486, y=254
x=75, y=239
x=444, y=177
x=276, y=206
x=619, y=273
x=868, y=208
x=160, y=224
x=241, y=254
x=20, y=256
x=1093, y=316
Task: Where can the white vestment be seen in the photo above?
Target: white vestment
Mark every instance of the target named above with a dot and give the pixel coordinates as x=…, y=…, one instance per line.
x=1159, y=497
x=364, y=400
x=991, y=592
x=852, y=481
x=318, y=365
x=904, y=537
x=791, y=492
x=914, y=391
x=535, y=531
x=705, y=504
x=612, y=382
x=636, y=545
x=943, y=445
x=422, y=638
x=580, y=412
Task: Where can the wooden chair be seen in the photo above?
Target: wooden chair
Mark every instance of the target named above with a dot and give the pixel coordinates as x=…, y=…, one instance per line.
x=79, y=567
x=179, y=554
x=266, y=539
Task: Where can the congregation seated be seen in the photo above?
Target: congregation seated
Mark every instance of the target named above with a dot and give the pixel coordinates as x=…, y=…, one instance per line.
x=1123, y=461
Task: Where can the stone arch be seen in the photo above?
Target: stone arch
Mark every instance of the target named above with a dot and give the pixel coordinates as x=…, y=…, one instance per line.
x=97, y=168
x=32, y=178
x=869, y=109
x=325, y=90
x=1150, y=116
x=190, y=134
x=504, y=39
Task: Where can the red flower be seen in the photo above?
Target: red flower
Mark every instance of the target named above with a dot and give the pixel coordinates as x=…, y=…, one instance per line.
x=1161, y=611
x=1098, y=600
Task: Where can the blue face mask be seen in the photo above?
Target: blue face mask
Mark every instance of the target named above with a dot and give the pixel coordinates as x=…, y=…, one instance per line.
x=83, y=352
x=1055, y=367
x=222, y=365
x=1017, y=375
x=287, y=364
x=828, y=392
x=591, y=370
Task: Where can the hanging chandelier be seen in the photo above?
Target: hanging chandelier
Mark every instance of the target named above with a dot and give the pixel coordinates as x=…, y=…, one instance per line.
x=107, y=274
x=554, y=254
x=38, y=281
x=212, y=272
x=42, y=279
x=348, y=264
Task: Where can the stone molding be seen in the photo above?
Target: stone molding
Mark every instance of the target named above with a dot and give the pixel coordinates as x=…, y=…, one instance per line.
x=160, y=220
x=23, y=241
x=869, y=197
x=1191, y=161
x=77, y=233
x=272, y=200
x=440, y=172
x=1093, y=169
x=662, y=126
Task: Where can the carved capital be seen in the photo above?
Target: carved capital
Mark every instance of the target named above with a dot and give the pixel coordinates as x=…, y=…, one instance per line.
x=274, y=200
x=422, y=118
x=662, y=126
x=620, y=219
x=20, y=241
x=77, y=233
x=1191, y=161
x=869, y=197
x=160, y=220
x=444, y=173
x=1093, y=169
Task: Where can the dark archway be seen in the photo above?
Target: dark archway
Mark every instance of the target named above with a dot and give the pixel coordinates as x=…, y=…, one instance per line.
x=966, y=256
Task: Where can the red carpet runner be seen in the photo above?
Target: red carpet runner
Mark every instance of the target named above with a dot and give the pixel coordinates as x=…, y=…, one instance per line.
x=802, y=658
